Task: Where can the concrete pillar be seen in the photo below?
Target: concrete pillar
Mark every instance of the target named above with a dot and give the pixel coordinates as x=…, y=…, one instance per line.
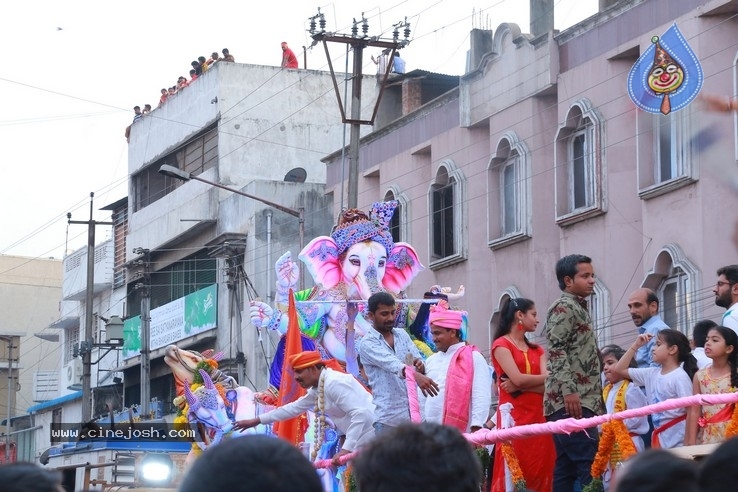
x=541, y=16
x=412, y=97
x=480, y=45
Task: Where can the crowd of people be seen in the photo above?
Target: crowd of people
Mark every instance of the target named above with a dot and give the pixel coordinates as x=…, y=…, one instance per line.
x=575, y=378
x=572, y=378
x=199, y=67
x=400, y=438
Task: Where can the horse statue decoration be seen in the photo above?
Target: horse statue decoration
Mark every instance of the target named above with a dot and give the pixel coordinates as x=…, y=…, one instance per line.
x=208, y=400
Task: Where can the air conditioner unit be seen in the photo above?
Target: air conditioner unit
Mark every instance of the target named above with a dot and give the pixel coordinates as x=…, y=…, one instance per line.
x=72, y=374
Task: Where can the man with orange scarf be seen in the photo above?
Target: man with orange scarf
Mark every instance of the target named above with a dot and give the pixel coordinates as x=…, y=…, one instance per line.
x=462, y=374
x=331, y=393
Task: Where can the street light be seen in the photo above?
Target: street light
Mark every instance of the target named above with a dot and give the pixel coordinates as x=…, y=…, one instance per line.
x=176, y=173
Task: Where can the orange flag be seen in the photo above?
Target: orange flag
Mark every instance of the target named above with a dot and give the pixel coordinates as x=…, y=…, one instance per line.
x=292, y=430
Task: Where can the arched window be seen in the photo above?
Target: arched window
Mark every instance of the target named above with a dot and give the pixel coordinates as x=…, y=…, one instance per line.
x=446, y=202
x=676, y=281
x=399, y=225
x=665, y=160
x=512, y=292
x=599, y=311
x=508, y=192
x=578, y=162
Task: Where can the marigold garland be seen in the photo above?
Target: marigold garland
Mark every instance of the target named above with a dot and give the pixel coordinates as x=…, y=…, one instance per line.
x=615, y=446
x=511, y=460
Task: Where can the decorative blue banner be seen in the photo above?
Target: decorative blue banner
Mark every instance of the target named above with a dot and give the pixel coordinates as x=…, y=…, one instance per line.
x=667, y=76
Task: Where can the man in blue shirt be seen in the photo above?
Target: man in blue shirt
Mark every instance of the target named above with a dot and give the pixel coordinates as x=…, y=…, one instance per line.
x=643, y=305
x=385, y=351
x=398, y=64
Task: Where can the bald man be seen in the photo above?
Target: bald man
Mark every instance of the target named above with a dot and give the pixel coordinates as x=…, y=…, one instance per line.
x=643, y=305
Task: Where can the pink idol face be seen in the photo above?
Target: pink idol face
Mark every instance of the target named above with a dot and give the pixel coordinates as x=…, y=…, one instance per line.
x=363, y=269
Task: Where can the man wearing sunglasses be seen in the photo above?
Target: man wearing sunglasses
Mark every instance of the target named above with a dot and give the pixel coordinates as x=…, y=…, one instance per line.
x=726, y=295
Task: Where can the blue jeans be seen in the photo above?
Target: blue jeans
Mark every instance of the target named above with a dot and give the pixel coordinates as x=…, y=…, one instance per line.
x=574, y=454
x=380, y=428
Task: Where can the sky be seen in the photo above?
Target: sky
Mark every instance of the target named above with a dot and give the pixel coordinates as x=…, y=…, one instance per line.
x=73, y=70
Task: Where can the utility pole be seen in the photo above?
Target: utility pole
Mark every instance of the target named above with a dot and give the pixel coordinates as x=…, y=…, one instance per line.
x=234, y=311
x=11, y=394
x=88, y=341
x=145, y=287
x=358, y=43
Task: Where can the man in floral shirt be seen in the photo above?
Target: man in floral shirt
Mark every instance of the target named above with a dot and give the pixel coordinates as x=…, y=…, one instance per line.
x=573, y=387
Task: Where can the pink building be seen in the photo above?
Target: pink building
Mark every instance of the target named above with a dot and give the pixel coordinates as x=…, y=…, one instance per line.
x=539, y=153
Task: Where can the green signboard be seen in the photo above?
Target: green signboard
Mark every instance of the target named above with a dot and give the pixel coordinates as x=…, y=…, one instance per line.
x=174, y=321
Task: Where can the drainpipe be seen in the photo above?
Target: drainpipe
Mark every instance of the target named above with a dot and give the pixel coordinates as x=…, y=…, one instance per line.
x=269, y=282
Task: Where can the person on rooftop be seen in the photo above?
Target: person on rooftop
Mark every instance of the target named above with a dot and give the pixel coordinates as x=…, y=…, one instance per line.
x=227, y=55
x=203, y=63
x=289, y=60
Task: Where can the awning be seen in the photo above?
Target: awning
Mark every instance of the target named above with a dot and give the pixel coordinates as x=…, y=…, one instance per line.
x=65, y=323
x=55, y=402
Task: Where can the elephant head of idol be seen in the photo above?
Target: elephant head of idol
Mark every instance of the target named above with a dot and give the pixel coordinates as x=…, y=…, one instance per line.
x=361, y=255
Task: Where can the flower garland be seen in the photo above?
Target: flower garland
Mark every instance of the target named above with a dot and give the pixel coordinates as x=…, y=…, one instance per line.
x=319, y=417
x=511, y=460
x=615, y=445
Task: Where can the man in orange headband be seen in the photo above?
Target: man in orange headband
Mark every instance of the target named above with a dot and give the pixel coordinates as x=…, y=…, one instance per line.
x=462, y=374
x=339, y=395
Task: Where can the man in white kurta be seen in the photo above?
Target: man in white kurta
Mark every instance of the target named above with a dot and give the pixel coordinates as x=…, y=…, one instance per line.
x=345, y=401
x=448, y=328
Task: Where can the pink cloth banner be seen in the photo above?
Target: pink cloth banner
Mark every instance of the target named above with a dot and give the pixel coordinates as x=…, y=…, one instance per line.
x=567, y=426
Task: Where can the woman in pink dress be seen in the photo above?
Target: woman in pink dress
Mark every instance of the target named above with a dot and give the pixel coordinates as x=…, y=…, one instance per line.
x=520, y=369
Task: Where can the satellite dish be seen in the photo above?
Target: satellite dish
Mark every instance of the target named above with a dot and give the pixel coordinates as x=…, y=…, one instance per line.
x=296, y=175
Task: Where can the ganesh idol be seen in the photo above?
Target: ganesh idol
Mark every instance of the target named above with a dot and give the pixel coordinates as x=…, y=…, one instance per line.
x=358, y=259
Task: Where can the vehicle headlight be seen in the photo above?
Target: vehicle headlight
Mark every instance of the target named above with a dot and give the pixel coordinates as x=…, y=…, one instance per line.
x=156, y=469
